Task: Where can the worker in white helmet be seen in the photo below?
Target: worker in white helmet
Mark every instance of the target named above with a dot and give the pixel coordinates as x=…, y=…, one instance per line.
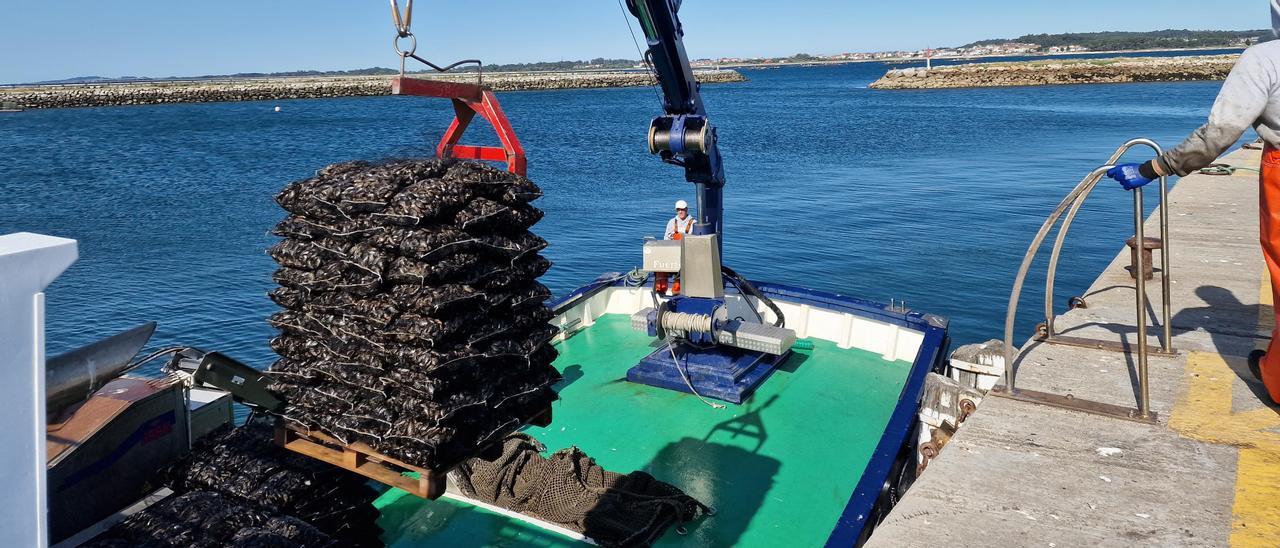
x=677, y=228
x=681, y=224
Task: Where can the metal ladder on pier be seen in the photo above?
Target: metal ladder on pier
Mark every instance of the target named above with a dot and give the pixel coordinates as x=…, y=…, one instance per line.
x=1046, y=333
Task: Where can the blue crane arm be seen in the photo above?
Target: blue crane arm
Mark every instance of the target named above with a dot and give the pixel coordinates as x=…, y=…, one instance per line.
x=683, y=136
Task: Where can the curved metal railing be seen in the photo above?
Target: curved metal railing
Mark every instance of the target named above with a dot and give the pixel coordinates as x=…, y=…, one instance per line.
x=1166, y=338
x=1071, y=205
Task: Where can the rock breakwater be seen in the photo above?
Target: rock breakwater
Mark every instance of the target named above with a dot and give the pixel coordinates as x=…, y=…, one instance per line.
x=1061, y=72
x=266, y=89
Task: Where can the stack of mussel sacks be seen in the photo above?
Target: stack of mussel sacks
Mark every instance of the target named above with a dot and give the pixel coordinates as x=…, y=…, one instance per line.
x=413, y=320
x=237, y=488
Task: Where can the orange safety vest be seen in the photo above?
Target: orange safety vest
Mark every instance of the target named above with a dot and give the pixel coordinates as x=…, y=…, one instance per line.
x=688, y=228
x=660, y=279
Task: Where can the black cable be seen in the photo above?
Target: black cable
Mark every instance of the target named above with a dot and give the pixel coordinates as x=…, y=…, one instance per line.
x=743, y=284
x=745, y=297
x=636, y=277
x=150, y=357
x=447, y=68
x=644, y=54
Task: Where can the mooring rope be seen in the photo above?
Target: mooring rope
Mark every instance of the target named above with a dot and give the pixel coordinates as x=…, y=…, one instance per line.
x=1225, y=169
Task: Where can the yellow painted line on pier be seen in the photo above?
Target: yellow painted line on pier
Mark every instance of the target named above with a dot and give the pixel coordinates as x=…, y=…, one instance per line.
x=1204, y=412
x=1257, y=517
x=1258, y=496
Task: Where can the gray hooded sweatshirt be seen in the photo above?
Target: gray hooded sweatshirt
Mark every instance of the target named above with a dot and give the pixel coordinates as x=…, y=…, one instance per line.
x=1249, y=98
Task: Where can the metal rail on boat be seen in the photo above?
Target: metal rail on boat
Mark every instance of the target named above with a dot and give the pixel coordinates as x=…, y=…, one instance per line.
x=1046, y=332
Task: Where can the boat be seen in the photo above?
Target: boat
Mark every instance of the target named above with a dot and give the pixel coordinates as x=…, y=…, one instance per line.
x=815, y=455
x=794, y=413
x=10, y=106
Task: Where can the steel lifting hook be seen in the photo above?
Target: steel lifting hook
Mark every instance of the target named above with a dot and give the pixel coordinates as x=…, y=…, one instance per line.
x=402, y=31
x=402, y=23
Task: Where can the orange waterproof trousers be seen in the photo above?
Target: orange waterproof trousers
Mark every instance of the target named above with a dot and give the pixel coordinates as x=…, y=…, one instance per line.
x=1269, y=234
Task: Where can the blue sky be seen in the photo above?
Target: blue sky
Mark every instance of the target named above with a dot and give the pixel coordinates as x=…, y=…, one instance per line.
x=49, y=40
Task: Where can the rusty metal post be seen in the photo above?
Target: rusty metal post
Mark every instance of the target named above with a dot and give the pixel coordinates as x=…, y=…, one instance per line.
x=1148, y=244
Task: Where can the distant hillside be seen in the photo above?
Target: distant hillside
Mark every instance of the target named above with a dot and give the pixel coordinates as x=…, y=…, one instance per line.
x=544, y=66
x=1120, y=41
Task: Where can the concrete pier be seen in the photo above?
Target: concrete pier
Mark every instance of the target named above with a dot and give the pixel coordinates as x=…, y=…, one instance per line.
x=266, y=89
x=1207, y=474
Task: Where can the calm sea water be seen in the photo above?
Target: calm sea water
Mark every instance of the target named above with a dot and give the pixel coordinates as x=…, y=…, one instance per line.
x=929, y=197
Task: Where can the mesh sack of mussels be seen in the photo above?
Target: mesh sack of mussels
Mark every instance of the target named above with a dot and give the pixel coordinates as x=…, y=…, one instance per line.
x=237, y=488
x=244, y=463
x=207, y=519
x=412, y=317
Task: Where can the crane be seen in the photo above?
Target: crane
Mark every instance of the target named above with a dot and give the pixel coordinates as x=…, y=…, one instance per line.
x=729, y=358
x=682, y=135
x=725, y=340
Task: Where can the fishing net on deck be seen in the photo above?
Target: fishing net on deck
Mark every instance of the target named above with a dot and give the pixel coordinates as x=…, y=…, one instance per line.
x=412, y=318
x=570, y=490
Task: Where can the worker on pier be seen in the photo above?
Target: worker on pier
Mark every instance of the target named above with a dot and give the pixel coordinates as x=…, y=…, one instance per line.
x=677, y=228
x=1249, y=97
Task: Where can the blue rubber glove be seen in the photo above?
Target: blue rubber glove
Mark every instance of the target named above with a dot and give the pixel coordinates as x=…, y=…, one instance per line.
x=1128, y=175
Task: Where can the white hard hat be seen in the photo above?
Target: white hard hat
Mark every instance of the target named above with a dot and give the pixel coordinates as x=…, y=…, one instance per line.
x=681, y=204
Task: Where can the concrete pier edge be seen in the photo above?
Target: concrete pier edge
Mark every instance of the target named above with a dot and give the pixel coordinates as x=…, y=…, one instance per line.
x=1208, y=474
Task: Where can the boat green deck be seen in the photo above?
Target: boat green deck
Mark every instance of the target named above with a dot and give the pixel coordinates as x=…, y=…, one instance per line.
x=779, y=469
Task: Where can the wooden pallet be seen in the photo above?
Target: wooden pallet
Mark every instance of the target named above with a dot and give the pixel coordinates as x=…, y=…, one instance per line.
x=362, y=459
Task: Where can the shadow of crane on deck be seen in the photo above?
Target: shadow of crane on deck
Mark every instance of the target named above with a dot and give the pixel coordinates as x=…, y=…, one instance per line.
x=724, y=470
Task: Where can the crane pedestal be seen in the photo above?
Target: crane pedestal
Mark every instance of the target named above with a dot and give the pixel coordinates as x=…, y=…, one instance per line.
x=724, y=373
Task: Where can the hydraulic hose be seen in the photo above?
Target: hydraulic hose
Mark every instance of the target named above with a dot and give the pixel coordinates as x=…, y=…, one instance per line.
x=746, y=287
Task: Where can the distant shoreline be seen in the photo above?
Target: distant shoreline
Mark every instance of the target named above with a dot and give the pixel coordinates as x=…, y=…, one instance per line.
x=1046, y=72
x=1118, y=53
x=308, y=87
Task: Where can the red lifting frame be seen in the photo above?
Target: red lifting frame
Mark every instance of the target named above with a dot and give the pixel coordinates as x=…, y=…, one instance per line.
x=469, y=100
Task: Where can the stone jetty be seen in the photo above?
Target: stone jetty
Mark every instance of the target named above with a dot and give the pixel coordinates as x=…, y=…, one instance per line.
x=267, y=89
x=1061, y=71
